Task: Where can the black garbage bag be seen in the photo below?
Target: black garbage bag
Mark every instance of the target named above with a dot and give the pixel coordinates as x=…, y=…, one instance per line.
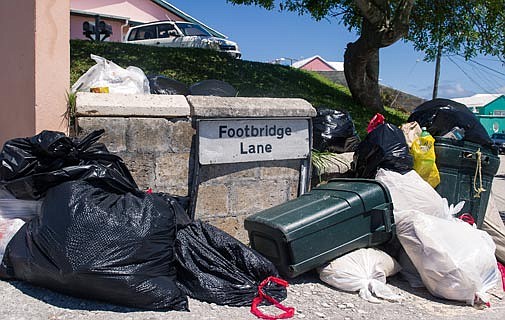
x=334, y=131
x=384, y=147
x=30, y=166
x=165, y=85
x=91, y=242
x=440, y=116
x=213, y=88
x=213, y=266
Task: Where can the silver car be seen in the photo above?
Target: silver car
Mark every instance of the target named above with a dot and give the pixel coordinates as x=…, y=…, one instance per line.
x=180, y=35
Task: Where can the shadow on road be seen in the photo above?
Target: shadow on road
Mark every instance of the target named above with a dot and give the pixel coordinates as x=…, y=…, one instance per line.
x=67, y=302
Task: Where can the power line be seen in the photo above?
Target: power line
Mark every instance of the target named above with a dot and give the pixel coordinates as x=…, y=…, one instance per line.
x=484, y=66
x=467, y=75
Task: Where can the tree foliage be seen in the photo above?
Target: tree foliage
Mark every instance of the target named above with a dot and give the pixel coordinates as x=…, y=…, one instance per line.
x=467, y=28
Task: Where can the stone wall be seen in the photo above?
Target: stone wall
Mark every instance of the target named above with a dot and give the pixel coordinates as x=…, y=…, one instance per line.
x=155, y=136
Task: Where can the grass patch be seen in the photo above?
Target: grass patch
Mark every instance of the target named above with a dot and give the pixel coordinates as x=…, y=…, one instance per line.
x=251, y=79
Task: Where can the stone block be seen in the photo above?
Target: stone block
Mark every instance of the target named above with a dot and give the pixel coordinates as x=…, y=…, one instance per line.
x=180, y=135
x=148, y=135
x=141, y=166
x=236, y=107
x=234, y=226
x=222, y=173
x=114, y=136
x=172, y=172
x=212, y=200
x=131, y=105
x=249, y=198
x=284, y=169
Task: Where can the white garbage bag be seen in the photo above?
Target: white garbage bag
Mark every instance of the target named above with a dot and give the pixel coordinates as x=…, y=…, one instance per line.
x=410, y=192
x=455, y=260
x=107, y=74
x=363, y=270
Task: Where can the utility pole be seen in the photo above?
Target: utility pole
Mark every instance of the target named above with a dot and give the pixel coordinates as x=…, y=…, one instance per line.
x=437, y=70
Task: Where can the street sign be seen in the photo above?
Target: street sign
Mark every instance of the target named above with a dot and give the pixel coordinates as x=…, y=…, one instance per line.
x=246, y=140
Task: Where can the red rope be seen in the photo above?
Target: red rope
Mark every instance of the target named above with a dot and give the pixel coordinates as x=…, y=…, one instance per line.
x=501, y=267
x=288, y=311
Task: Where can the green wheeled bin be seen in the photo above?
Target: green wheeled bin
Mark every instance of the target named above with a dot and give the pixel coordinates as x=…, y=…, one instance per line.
x=464, y=168
x=331, y=220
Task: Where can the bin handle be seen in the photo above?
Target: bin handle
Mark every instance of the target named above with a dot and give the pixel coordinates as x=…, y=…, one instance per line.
x=387, y=219
x=470, y=156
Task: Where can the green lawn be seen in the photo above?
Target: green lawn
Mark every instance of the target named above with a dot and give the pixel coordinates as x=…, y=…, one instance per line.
x=251, y=79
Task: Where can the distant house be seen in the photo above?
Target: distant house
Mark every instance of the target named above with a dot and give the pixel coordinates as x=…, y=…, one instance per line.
x=123, y=14
x=489, y=108
x=317, y=63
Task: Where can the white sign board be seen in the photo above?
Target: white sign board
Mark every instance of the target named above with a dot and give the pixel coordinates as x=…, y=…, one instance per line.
x=229, y=141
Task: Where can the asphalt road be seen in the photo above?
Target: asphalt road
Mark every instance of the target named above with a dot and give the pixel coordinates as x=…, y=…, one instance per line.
x=499, y=187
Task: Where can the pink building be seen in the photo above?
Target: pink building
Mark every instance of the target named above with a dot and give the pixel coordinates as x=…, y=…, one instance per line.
x=121, y=14
x=317, y=63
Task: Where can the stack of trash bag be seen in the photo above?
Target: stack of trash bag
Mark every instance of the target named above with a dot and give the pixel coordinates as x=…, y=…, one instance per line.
x=455, y=260
x=334, y=131
x=440, y=116
x=365, y=271
x=384, y=147
x=93, y=234
x=92, y=242
x=31, y=166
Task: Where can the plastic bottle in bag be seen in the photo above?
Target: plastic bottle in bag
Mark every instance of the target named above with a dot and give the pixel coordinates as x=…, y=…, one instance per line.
x=423, y=152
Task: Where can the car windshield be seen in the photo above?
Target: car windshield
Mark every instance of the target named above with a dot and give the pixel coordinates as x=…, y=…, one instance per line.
x=498, y=136
x=189, y=29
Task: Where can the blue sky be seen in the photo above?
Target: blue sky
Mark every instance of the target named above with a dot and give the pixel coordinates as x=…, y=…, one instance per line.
x=266, y=35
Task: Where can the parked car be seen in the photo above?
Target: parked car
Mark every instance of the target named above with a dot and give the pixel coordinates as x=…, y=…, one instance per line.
x=499, y=141
x=179, y=34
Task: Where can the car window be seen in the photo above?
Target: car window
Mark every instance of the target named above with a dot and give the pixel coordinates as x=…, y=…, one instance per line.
x=166, y=30
x=143, y=33
x=132, y=35
x=189, y=29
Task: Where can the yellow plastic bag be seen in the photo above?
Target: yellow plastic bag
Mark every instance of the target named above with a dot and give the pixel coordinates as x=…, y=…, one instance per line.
x=423, y=152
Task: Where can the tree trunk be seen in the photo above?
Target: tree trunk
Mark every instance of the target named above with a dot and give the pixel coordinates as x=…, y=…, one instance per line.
x=361, y=69
x=380, y=28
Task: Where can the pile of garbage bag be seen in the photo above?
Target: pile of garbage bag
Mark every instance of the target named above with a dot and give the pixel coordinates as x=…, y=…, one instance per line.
x=72, y=219
x=334, y=131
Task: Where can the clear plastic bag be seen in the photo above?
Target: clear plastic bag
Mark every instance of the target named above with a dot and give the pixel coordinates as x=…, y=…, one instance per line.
x=410, y=192
x=455, y=260
x=363, y=270
x=107, y=74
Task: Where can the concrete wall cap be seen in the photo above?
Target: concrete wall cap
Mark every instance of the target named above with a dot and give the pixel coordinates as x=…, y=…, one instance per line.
x=131, y=105
x=236, y=107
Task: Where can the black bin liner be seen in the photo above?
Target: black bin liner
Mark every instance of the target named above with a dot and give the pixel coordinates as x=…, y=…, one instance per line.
x=384, y=147
x=30, y=166
x=213, y=87
x=165, y=85
x=217, y=268
x=93, y=243
x=334, y=131
x=439, y=116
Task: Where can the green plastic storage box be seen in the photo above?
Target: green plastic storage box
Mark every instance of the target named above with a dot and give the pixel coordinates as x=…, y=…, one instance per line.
x=331, y=220
x=457, y=162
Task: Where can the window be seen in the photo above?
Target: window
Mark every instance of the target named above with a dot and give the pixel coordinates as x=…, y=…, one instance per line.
x=143, y=33
x=190, y=29
x=166, y=30
x=499, y=113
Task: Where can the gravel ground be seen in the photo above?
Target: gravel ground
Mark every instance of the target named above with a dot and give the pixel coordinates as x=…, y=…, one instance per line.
x=310, y=297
